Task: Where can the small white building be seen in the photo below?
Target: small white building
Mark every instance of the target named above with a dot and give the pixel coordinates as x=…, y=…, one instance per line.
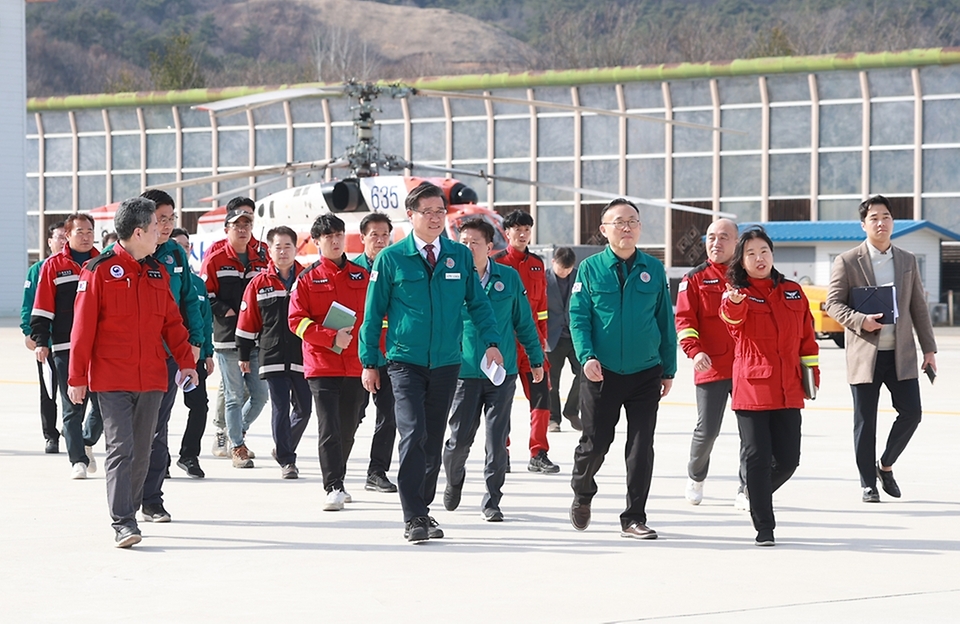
x=804, y=251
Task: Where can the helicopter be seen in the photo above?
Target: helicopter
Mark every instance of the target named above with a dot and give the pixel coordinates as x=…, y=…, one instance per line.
x=372, y=180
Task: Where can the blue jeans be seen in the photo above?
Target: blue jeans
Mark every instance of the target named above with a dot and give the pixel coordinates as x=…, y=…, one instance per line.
x=422, y=401
x=240, y=414
x=76, y=432
x=473, y=397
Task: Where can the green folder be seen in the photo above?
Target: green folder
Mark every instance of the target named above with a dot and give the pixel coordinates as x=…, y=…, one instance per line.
x=339, y=317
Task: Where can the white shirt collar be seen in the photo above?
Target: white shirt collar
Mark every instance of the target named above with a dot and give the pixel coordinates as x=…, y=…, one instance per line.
x=876, y=253
x=421, y=244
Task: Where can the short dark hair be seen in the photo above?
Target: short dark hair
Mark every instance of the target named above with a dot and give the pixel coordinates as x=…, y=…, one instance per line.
x=236, y=202
x=517, y=218
x=175, y=232
x=132, y=214
x=620, y=201
x=565, y=257
x=480, y=226
x=876, y=200
x=158, y=197
x=108, y=237
x=424, y=189
x=69, y=222
x=326, y=224
x=375, y=217
x=281, y=230
x=58, y=225
x=736, y=274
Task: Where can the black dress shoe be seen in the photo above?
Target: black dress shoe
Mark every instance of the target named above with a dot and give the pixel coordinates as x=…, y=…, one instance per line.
x=379, y=483
x=127, y=537
x=451, y=496
x=52, y=446
x=433, y=528
x=638, y=530
x=580, y=515
x=871, y=495
x=416, y=530
x=887, y=481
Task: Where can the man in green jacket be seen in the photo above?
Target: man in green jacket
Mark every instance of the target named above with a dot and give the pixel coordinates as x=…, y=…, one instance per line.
x=420, y=284
x=475, y=392
x=621, y=322
x=48, y=396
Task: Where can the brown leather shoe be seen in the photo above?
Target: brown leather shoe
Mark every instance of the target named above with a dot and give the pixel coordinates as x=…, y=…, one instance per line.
x=580, y=515
x=638, y=530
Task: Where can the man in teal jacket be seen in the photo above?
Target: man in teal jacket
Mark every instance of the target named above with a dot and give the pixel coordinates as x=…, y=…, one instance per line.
x=621, y=322
x=48, y=396
x=475, y=392
x=420, y=284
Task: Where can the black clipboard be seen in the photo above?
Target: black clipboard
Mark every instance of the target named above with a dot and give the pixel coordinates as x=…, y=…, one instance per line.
x=875, y=300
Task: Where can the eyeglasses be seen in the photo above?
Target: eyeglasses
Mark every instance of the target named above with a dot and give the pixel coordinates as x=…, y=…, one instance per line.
x=432, y=214
x=620, y=224
x=245, y=227
x=167, y=220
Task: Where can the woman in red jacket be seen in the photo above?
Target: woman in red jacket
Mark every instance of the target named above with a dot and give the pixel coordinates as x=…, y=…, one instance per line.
x=772, y=328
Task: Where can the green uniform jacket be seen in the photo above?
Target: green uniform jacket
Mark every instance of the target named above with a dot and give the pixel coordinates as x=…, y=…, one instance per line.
x=29, y=294
x=512, y=309
x=424, y=309
x=363, y=261
x=207, y=349
x=629, y=329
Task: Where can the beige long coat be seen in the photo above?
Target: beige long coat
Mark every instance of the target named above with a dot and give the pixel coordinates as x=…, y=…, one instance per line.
x=853, y=269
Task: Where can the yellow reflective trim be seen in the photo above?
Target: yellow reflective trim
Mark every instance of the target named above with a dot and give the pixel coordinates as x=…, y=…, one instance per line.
x=384, y=325
x=302, y=327
x=810, y=360
x=729, y=320
x=542, y=316
x=689, y=332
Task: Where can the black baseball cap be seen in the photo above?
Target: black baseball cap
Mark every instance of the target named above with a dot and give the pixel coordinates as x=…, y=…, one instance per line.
x=236, y=214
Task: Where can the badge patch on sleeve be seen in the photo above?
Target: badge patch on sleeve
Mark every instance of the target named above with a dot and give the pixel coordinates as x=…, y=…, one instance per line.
x=683, y=286
x=81, y=285
x=576, y=287
x=373, y=275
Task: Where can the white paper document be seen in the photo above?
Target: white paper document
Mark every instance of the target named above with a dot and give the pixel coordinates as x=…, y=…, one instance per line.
x=184, y=382
x=494, y=372
x=48, y=380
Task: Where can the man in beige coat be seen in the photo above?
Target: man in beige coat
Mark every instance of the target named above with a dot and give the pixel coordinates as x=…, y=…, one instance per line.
x=881, y=354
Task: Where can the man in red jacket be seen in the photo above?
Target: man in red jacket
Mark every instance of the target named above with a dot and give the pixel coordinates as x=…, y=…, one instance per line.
x=530, y=267
x=124, y=313
x=705, y=340
x=330, y=360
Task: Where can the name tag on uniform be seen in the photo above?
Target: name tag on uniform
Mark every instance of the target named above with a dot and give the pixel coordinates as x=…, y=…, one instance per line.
x=154, y=274
x=452, y=276
x=178, y=269
x=791, y=294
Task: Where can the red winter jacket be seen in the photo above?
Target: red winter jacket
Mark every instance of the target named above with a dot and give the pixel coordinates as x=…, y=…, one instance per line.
x=530, y=267
x=52, y=315
x=772, y=329
x=699, y=328
x=123, y=315
x=322, y=283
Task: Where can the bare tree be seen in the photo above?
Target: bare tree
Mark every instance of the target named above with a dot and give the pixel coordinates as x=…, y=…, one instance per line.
x=341, y=54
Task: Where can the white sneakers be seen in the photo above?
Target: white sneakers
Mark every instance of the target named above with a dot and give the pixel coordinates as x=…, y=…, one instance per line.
x=335, y=500
x=742, y=502
x=79, y=471
x=694, y=491
x=92, y=466
x=346, y=497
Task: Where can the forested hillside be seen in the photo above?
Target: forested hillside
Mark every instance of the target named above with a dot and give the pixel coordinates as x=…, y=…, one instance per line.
x=85, y=46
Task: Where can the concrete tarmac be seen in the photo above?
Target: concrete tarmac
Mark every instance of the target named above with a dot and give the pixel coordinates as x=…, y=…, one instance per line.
x=246, y=546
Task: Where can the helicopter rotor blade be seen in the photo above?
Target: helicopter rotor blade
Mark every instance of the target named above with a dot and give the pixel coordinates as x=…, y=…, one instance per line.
x=571, y=107
x=575, y=189
x=243, y=103
x=247, y=187
x=250, y=173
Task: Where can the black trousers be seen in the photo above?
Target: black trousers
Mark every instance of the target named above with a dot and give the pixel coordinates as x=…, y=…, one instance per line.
x=160, y=452
x=560, y=354
x=423, y=397
x=338, y=401
x=764, y=436
x=600, y=404
x=906, y=400
x=385, y=429
x=198, y=406
x=48, y=403
x=286, y=390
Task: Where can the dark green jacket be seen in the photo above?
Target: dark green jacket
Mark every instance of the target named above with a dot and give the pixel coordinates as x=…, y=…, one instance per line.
x=423, y=308
x=207, y=349
x=629, y=328
x=512, y=309
x=29, y=294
